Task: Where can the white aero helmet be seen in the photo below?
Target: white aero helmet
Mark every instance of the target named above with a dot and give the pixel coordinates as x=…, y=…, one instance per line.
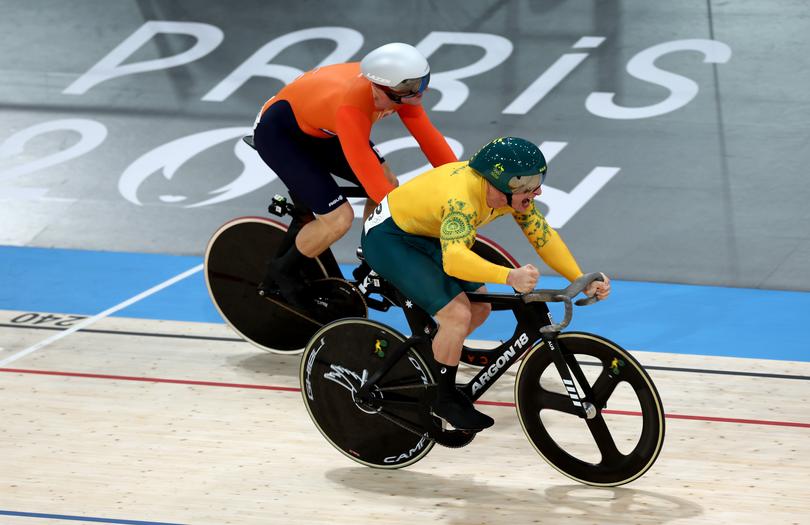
x=398, y=69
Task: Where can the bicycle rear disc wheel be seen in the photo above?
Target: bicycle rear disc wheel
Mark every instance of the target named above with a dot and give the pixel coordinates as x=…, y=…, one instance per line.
x=235, y=262
x=619, y=443
x=383, y=431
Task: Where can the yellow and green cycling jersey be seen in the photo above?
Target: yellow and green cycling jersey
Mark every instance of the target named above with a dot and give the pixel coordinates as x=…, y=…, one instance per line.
x=449, y=203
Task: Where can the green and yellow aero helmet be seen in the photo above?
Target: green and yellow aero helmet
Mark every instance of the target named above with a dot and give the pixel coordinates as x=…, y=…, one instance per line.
x=511, y=164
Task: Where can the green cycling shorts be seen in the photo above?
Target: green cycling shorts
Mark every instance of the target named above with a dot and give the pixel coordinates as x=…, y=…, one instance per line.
x=413, y=264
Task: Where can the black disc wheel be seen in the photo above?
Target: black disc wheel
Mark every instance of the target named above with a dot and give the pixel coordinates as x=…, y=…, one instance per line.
x=624, y=433
x=383, y=429
x=235, y=262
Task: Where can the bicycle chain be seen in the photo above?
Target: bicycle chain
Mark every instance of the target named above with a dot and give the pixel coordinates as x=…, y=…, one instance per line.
x=292, y=310
x=402, y=424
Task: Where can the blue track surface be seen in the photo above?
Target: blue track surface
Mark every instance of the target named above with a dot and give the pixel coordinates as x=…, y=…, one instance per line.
x=683, y=319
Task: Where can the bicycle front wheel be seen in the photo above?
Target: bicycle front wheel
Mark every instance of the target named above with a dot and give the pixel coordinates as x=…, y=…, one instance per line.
x=616, y=445
x=383, y=430
x=235, y=262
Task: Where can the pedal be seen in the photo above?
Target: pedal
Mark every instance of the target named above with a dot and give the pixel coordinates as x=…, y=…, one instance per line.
x=452, y=428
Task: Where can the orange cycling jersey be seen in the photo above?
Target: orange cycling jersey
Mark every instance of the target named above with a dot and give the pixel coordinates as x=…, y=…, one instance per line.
x=337, y=101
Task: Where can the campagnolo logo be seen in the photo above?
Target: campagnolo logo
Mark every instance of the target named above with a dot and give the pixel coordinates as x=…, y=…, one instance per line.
x=488, y=374
x=310, y=363
x=408, y=454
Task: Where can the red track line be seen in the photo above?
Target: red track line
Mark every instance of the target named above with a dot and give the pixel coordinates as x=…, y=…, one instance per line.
x=733, y=420
x=149, y=379
x=292, y=389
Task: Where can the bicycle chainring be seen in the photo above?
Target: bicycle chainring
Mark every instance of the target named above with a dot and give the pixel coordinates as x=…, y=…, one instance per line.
x=437, y=432
x=453, y=438
x=335, y=298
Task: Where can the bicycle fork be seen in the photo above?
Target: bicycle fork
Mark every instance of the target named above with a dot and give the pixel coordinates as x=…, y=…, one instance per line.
x=567, y=365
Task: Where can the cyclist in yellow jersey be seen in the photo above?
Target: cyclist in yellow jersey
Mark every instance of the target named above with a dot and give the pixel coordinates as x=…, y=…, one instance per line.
x=419, y=239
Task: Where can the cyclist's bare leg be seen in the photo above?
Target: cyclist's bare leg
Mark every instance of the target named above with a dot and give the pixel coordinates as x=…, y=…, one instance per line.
x=479, y=312
x=370, y=204
x=454, y=323
x=316, y=236
x=455, y=320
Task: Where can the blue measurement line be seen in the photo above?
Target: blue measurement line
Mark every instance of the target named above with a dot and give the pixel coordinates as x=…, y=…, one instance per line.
x=81, y=518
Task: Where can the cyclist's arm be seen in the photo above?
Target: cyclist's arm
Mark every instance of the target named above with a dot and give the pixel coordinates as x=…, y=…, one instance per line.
x=353, y=129
x=547, y=243
x=457, y=235
x=433, y=143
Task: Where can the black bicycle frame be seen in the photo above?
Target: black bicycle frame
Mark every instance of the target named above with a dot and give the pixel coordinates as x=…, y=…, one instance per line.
x=530, y=318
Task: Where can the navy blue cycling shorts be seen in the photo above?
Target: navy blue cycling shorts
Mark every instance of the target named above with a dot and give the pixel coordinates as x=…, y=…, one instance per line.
x=305, y=164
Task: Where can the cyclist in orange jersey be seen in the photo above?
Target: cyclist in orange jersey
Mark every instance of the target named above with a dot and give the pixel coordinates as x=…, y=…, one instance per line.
x=320, y=125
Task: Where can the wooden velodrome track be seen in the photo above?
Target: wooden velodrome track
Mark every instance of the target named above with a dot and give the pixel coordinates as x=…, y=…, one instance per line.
x=136, y=421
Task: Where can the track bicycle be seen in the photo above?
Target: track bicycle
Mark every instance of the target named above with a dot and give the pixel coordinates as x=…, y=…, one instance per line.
x=236, y=258
x=368, y=390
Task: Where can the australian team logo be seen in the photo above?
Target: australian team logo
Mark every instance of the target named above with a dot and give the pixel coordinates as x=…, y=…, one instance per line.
x=496, y=171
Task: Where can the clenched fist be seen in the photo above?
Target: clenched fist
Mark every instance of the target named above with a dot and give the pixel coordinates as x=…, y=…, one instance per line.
x=523, y=279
